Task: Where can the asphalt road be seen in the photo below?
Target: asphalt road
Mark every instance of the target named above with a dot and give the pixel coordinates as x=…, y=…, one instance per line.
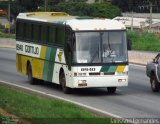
x=135, y=101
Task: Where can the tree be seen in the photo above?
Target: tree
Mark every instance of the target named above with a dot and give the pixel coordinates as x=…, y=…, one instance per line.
x=137, y=5
x=30, y=5
x=83, y=9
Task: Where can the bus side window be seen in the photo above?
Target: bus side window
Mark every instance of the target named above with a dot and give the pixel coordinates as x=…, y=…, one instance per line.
x=40, y=33
x=24, y=31
x=35, y=33
x=28, y=31
x=68, y=38
x=47, y=35
x=51, y=35
x=60, y=37
x=44, y=34
x=20, y=30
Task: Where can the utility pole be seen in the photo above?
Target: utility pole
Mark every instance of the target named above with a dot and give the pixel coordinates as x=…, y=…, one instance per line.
x=9, y=15
x=46, y=5
x=150, y=19
x=131, y=2
x=132, y=22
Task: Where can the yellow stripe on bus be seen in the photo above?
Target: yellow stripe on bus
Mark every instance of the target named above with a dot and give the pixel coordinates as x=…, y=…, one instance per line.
x=43, y=52
x=120, y=68
x=36, y=64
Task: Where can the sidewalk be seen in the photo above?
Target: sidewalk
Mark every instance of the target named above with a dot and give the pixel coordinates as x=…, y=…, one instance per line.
x=135, y=57
x=7, y=42
x=141, y=57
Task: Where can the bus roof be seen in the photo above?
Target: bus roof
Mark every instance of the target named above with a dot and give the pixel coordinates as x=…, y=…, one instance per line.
x=75, y=22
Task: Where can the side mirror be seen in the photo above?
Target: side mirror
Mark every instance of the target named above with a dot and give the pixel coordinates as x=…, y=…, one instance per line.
x=154, y=60
x=129, y=44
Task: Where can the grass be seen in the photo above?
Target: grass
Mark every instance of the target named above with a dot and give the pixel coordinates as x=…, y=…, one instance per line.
x=7, y=35
x=6, y=120
x=39, y=110
x=144, y=41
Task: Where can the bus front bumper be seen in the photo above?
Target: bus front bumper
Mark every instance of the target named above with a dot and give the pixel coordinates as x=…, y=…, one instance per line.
x=109, y=81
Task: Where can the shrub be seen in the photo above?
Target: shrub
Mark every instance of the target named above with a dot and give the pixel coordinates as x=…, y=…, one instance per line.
x=144, y=41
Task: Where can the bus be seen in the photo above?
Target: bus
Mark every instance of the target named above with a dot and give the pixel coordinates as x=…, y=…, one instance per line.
x=72, y=51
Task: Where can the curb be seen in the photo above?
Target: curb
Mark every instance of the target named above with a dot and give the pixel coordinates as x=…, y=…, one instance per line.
x=136, y=63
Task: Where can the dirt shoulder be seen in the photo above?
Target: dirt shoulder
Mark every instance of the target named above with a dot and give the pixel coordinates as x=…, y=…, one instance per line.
x=135, y=57
x=141, y=57
x=7, y=43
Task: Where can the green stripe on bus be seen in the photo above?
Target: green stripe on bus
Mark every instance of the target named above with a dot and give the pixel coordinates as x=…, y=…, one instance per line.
x=53, y=54
x=45, y=70
x=50, y=71
x=48, y=51
x=108, y=69
x=112, y=69
x=49, y=64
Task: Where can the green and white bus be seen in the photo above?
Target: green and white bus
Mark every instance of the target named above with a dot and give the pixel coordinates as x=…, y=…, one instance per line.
x=72, y=51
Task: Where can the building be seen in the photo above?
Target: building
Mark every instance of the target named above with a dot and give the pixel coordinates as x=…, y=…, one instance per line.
x=3, y=12
x=137, y=23
x=155, y=28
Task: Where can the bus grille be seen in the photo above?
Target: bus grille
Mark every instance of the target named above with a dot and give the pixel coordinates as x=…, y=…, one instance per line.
x=102, y=73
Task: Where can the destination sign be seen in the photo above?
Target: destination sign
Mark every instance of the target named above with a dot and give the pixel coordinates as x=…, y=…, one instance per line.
x=28, y=49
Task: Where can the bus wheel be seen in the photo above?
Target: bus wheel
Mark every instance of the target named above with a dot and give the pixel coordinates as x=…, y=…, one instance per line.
x=154, y=83
x=62, y=81
x=111, y=89
x=30, y=77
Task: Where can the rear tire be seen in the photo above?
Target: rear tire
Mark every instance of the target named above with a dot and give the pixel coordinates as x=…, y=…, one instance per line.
x=154, y=83
x=30, y=76
x=62, y=81
x=111, y=89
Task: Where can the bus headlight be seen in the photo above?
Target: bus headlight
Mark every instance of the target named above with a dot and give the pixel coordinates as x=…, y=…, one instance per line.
x=121, y=80
x=82, y=83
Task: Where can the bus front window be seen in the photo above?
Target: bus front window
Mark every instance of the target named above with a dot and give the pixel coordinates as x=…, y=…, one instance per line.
x=87, y=48
x=114, y=47
x=100, y=47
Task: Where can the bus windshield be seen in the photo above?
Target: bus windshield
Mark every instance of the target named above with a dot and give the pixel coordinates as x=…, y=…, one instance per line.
x=100, y=47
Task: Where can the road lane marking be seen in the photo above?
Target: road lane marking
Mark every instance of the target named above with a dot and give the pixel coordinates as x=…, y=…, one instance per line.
x=64, y=99
x=143, y=66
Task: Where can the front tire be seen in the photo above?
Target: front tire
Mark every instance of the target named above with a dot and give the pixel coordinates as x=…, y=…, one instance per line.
x=154, y=84
x=62, y=81
x=111, y=89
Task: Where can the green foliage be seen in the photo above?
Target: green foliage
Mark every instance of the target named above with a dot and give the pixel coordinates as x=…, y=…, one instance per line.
x=6, y=120
x=6, y=35
x=83, y=9
x=80, y=8
x=3, y=5
x=104, y=10
x=144, y=41
x=2, y=28
x=141, y=6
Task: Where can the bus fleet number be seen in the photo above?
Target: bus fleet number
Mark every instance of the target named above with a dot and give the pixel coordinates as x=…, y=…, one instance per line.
x=88, y=69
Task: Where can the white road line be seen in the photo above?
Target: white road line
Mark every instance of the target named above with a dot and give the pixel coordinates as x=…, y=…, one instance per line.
x=61, y=98
x=138, y=65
